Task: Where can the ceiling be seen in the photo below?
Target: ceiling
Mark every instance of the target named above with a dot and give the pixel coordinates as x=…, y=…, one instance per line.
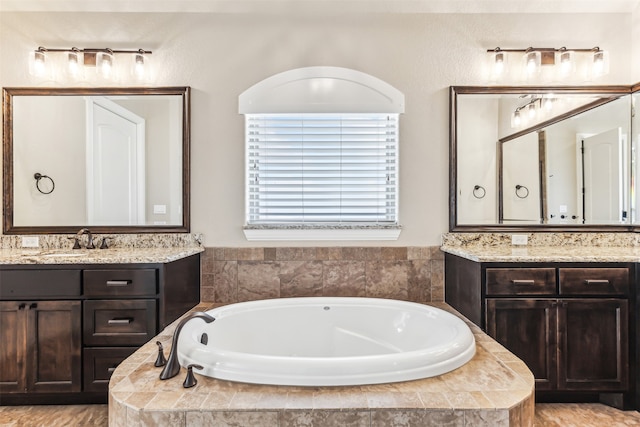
x=341, y=6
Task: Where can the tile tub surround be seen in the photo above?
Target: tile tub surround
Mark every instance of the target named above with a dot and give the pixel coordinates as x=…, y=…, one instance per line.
x=243, y=274
x=493, y=389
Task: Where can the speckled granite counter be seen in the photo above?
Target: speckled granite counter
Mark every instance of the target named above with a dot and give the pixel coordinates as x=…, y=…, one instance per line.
x=124, y=249
x=544, y=247
x=96, y=256
x=493, y=389
x=544, y=253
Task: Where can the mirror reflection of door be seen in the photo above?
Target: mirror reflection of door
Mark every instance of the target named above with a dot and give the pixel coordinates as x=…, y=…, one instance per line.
x=603, y=160
x=115, y=164
x=521, y=180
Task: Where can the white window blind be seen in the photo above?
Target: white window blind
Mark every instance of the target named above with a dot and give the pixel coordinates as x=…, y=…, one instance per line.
x=322, y=168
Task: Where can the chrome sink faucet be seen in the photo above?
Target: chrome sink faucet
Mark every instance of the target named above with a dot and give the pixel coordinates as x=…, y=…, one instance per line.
x=172, y=367
x=79, y=235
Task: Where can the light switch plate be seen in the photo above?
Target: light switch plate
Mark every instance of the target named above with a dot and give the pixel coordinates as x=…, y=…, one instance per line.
x=30, y=241
x=519, y=239
x=159, y=209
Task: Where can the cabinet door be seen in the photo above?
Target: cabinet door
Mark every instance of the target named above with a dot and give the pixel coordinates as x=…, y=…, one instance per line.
x=593, y=342
x=527, y=328
x=54, y=346
x=13, y=336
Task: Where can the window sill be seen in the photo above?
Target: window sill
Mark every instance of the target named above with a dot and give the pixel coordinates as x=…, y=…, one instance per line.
x=284, y=232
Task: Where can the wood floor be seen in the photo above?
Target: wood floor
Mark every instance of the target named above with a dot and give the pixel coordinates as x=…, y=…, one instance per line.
x=547, y=415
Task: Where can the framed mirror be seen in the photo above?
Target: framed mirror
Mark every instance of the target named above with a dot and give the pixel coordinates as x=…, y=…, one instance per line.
x=115, y=160
x=542, y=159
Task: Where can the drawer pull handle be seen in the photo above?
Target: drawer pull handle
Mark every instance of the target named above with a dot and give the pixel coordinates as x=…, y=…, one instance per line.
x=124, y=321
x=523, y=282
x=596, y=282
x=118, y=282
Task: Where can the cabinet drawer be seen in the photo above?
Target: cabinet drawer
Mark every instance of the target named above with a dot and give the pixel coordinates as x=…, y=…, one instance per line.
x=39, y=284
x=119, y=322
x=600, y=281
x=515, y=281
x=99, y=363
x=112, y=283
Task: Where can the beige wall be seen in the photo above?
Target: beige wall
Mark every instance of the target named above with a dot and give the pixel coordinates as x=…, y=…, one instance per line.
x=221, y=55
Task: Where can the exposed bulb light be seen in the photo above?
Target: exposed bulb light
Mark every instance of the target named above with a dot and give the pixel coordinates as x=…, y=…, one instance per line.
x=498, y=63
x=38, y=64
x=105, y=62
x=140, y=66
x=566, y=62
x=532, y=63
x=516, y=119
x=600, y=62
x=74, y=62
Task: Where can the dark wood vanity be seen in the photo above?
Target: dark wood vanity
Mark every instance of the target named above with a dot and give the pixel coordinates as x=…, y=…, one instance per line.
x=572, y=323
x=65, y=327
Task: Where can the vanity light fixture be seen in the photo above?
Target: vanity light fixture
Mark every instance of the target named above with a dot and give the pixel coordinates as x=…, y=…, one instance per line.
x=552, y=63
x=533, y=109
x=75, y=62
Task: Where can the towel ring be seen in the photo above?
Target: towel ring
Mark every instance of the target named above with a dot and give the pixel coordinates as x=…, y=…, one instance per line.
x=519, y=193
x=479, y=194
x=38, y=176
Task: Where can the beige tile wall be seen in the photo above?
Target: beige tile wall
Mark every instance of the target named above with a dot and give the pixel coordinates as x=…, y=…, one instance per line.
x=243, y=274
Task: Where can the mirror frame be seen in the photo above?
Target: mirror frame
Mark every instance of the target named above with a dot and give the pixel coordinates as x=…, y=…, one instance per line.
x=7, y=155
x=618, y=90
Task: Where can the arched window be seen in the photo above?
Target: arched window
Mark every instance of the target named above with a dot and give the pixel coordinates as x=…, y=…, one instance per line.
x=322, y=153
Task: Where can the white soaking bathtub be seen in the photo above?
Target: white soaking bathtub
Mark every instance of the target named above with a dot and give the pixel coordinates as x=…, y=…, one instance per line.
x=321, y=341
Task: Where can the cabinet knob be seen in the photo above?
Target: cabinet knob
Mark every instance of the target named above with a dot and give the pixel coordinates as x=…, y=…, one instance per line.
x=33, y=305
x=22, y=306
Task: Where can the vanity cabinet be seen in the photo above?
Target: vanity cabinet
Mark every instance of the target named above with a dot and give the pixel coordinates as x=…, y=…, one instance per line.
x=41, y=346
x=65, y=328
x=569, y=322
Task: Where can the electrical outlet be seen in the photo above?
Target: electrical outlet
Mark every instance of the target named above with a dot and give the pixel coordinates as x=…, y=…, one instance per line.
x=30, y=241
x=519, y=239
x=159, y=209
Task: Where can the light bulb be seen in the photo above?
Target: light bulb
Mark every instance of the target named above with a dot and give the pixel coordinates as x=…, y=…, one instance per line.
x=567, y=63
x=105, y=64
x=600, y=63
x=139, y=67
x=516, y=120
x=74, y=63
x=38, y=63
x=532, y=62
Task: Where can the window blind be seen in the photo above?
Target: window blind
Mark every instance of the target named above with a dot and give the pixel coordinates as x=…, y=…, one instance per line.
x=321, y=168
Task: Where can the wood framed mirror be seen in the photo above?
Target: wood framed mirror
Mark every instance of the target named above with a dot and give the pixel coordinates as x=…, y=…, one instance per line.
x=543, y=159
x=115, y=160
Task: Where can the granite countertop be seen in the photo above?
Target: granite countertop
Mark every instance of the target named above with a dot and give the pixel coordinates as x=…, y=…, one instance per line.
x=128, y=255
x=562, y=253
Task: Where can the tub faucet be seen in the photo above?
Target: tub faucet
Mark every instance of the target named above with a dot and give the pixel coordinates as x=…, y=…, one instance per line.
x=172, y=367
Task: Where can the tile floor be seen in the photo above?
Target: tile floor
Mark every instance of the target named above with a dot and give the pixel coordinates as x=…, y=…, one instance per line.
x=547, y=415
